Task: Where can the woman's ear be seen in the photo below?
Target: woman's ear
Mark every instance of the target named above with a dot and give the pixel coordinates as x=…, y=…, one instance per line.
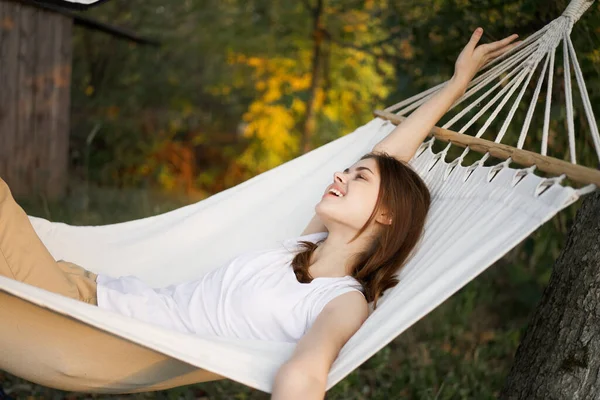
x=384, y=218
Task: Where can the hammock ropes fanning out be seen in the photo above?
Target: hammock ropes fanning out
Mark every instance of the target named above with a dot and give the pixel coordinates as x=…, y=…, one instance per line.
x=478, y=214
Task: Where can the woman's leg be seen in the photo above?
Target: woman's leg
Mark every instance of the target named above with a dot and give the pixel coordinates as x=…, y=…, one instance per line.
x=24, y=257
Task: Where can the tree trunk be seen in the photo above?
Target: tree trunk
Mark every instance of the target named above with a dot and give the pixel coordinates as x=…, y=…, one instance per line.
x=559, y=356
x=309, y=120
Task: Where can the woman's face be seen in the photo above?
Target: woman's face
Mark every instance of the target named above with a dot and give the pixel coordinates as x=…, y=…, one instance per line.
x=359, y=186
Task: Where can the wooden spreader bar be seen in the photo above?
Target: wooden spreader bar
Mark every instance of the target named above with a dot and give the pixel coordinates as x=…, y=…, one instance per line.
x=554, y=166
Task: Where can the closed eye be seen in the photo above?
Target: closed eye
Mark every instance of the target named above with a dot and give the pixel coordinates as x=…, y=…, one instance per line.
x=358, y=175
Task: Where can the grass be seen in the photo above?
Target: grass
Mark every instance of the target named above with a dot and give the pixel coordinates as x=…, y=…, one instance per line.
x=461, y=350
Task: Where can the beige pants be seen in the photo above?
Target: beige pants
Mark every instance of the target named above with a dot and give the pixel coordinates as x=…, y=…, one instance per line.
x=54, y=350
x=24, y=257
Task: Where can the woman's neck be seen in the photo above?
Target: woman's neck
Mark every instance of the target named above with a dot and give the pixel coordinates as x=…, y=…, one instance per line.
x=332, y=257
x=326, y=266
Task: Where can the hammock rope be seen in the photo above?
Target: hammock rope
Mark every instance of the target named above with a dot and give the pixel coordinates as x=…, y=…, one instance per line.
x=514, y=70
x=575, y=10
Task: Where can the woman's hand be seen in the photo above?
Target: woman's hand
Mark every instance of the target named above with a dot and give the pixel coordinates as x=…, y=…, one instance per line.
x=472, y=58
x=404, y=141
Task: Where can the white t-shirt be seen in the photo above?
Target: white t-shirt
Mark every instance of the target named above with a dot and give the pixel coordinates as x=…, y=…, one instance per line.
x=254, y=296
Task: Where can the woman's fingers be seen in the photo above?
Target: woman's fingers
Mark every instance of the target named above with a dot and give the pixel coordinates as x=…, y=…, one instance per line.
x=503, y=50
x=474, y=39
x=500, y=43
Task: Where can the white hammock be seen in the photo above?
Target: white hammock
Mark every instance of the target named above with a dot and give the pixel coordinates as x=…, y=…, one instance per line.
x=473, y=222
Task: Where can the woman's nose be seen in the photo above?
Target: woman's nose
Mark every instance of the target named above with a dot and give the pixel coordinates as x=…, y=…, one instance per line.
x=338, y=176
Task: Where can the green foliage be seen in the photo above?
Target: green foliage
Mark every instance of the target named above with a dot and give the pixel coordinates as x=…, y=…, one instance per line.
x=243, y=71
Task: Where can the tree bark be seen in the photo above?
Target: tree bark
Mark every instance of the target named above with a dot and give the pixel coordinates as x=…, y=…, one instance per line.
x=309, y=120
x=559, y=356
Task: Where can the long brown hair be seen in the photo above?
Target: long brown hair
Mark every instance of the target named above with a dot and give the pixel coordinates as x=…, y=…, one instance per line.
x=404, y=194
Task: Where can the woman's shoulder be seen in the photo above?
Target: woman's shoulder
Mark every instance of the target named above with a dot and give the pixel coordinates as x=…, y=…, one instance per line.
x=331, y=288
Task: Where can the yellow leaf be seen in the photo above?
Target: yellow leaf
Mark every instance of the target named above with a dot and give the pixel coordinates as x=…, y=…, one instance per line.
x=260, y=85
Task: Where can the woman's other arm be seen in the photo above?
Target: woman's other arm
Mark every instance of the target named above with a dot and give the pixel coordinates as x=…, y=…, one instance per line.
x=304, y=375
x=314, y=226
x=403, y=142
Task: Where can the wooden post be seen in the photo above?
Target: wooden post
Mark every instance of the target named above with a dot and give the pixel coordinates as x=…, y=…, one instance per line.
x=35, y=76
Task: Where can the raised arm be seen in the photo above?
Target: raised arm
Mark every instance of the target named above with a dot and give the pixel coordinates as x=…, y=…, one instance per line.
x=405, y=139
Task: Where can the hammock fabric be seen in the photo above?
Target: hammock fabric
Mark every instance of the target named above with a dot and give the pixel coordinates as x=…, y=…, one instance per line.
x=472, y=223
x=478, y=214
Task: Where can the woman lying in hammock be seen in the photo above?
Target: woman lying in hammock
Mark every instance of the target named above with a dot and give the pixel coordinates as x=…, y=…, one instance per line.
x=367, y=224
